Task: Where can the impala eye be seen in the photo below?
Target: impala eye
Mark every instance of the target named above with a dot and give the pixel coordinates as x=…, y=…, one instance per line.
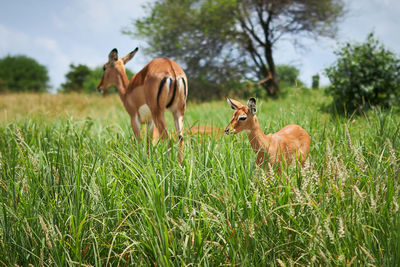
x=242, y=118
x=104, y=68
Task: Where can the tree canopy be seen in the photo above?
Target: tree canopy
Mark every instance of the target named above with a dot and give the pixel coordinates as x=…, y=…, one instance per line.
x=75, y=78
x=225, y=40
x=81, y=78
x=21, y=73
x=288, y=75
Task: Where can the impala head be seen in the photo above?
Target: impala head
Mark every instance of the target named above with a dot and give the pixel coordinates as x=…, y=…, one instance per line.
x=243, y=117
x=114, y=70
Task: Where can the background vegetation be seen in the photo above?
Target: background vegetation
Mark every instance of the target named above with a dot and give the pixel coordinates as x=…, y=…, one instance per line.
x=82, y=79
x=21, y=73
x=76, y=189
x=364, y=75
x=227, y=41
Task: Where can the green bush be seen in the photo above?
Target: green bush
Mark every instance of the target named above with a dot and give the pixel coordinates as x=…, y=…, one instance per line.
x=93, y=79
x=22, y=73
x=365, y=75
x=75, y=78
x=288, y=75
x=315, y=81
x=81, y=78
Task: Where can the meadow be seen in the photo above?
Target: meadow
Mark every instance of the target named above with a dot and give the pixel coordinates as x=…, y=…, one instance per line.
x=76, y=189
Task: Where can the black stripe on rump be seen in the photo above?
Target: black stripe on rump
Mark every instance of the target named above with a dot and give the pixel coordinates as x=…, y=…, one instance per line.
x=170, y=85
x=173, y=95
x=184, y=86
x=160, y=88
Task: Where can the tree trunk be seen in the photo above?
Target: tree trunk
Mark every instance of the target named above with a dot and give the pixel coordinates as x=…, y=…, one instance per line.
x=272, y=85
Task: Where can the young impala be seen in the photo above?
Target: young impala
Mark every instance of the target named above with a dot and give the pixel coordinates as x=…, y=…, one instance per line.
x=160, y=85
x=291, y=143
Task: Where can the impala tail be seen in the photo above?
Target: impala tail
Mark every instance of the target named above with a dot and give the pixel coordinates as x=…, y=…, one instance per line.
x=178, y=84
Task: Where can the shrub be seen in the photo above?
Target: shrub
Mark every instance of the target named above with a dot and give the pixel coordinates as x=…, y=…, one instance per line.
x=365, y=74
x=22, y=73
x=75, y=78
x=82, y=78
x=288, y=75
x=315, y=81
x=94, y=77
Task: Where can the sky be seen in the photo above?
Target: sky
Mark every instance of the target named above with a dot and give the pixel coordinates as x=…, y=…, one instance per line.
x=60, y=33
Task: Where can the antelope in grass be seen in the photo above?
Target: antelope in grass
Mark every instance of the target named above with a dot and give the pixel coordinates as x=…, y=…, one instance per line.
x=160, y=85
x=291, y=143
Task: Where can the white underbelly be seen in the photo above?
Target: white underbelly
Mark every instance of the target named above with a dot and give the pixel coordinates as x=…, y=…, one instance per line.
x=144, y=114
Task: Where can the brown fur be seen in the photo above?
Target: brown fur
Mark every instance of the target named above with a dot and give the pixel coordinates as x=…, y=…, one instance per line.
x=205, y=130
x=291, y=143
x=143, y=89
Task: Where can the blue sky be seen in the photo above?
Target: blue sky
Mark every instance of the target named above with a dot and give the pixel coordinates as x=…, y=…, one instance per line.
x=58, y=33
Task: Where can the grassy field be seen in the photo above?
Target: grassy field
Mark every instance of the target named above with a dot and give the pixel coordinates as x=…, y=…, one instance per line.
x=75, y=189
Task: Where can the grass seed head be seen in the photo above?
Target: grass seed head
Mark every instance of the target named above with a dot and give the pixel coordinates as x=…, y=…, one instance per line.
x=358, y=192
x=328, y=230
x=46, y=232
x=392, y=154
x=341, y=231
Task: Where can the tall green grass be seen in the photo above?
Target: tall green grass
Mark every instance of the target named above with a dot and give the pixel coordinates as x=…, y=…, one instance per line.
x=83, y=192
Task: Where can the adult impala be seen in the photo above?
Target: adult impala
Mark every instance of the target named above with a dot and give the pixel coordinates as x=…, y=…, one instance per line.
x=160, y=85
x=291, y=143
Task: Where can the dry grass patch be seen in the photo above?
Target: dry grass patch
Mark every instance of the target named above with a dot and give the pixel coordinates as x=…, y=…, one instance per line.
x=78, y=106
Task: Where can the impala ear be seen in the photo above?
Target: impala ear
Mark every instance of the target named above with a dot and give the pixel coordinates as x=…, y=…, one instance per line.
x=234, y=103
x=252, y=105
x=130, y=55
x=113, y=56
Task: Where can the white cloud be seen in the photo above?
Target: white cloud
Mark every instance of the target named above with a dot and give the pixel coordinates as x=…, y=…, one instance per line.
x=10, y=39
x=98, y=17
x=51, y=46
x=93, y=28
x=44, y=50
x=389, y=3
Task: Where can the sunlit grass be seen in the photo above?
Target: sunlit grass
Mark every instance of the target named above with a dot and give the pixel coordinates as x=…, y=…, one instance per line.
x=77, y=189
x=49, y=106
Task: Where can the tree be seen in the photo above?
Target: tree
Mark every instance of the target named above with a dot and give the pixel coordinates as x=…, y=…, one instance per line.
x=186, y=31
x=315, y=81
x=365, y=74
x=225, y=39
x=83, y=79
x=92, y=80
x=21, y=73
x=76, y=78
x=288, y=75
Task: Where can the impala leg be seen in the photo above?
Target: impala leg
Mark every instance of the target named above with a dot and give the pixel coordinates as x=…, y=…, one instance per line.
x=160, y=125
x=149, y=136
x=153, y=131
x=135, y=127
x=178, y=119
